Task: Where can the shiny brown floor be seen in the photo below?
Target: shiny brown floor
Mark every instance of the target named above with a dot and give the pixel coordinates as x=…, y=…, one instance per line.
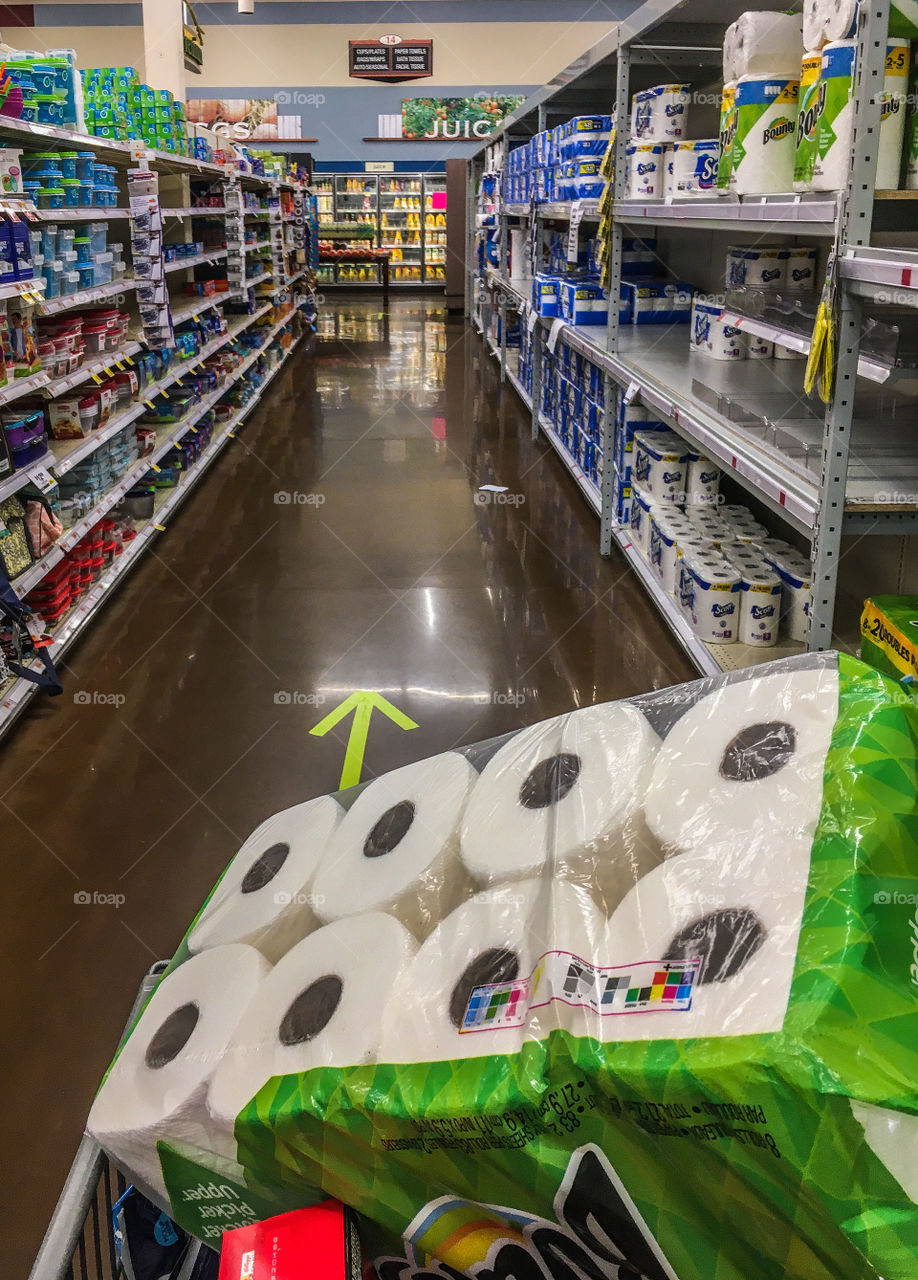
x=472, y=619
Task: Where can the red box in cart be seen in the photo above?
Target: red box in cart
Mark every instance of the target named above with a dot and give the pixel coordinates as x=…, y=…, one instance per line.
x=321, y=1243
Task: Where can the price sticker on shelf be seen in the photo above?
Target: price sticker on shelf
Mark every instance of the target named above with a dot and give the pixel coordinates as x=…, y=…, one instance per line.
x=573, y=231
x=556, y=326
x=43, y=478
x=108, y=372
x=230, y=435
x=193, y=430
x=149, y=404
x=154, y=467
x=632, y=391
x=160, y=528
x=119, y=365
x=95, y=377
x=129, y=360
x=532, y=319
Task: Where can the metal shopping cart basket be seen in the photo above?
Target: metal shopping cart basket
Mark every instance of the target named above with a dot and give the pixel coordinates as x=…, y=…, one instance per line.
x=79, y=1243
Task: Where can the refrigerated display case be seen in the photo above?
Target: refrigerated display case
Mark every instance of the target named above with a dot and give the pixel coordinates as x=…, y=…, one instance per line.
x=408, y=214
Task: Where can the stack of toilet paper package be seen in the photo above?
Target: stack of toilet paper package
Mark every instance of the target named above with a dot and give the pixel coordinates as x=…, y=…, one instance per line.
x=664, y=163
x=787, y=106
x=629, y=993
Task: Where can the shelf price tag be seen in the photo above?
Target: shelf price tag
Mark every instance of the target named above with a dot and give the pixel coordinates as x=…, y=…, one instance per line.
x=633, y=390
x=119, y=365
x=95, y=377
x=160, y=528
x=532, y=319
x=573, y=231
x=43, y=478
x=556, y=326
x=129, y=360
x=154, y=467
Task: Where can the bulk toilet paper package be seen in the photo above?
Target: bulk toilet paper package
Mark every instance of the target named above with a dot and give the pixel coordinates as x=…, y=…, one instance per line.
x=631, y=993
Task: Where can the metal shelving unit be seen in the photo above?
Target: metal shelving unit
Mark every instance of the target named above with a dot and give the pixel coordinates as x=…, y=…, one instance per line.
x=837, y=475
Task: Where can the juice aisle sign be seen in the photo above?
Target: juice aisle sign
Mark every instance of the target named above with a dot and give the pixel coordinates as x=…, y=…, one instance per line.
x=456, y=118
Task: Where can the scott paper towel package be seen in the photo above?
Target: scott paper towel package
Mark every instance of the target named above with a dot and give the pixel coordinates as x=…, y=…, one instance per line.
x=654, y=1015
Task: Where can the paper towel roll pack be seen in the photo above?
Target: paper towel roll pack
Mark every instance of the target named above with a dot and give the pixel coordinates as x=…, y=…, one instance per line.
x=827, y=20
x=657, y=1006
x=765, y=43
x=836, y=119
x=726, y=132
x=766, y=126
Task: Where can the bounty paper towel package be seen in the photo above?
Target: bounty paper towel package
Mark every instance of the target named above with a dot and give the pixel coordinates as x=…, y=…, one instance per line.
x=640, y=1001
x=889, y=635
x=809, y=106
x=836, y=118
x=766, y=126
x=726, y=135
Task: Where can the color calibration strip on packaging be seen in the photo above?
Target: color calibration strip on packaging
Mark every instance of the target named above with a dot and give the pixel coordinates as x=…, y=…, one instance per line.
x=647, y=986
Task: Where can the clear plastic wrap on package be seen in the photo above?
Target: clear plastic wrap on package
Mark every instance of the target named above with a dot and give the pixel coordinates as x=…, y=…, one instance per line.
x=632, y=993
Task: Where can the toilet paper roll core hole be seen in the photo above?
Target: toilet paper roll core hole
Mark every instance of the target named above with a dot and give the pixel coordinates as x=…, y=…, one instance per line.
x=550, y=780
x=264, y=870
x=311, y=1011
x=497, y=964
x=172, y=1036
x=389, y=830
x=759, y=751
x=725, y=940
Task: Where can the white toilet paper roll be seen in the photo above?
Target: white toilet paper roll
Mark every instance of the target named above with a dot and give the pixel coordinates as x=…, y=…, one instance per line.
x=815, y=13
x=264, y=897
x=800, y=269
x=758, y=348
x=646, y=179
x=563, y=797
x=710, y=597
x=747, y=758
x=703, y=481
x=725, y=340
x=639, y=518
x=497, y=936
x=737, y=908
x=694, y=167
x=157, y=1085
x=322, y=1006
x=397, y=847
x=782, y=352
x=893, y=1138
x=768, y=43
x=660, y=114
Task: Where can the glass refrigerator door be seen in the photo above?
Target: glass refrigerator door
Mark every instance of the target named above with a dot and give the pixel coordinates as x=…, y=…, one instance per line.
x=400, y=226
x=434, y=228
x=324, y=186
x=356, y=198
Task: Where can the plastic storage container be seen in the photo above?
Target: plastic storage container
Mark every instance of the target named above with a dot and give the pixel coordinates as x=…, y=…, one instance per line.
x=50, y=197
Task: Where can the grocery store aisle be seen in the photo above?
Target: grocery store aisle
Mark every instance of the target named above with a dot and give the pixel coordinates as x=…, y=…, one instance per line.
x=341, y=543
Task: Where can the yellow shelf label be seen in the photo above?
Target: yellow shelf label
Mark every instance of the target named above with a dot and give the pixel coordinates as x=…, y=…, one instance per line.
x=154, y=467
x=96, y=378
x=149, y=404
x=161, y=528
x=129, y=360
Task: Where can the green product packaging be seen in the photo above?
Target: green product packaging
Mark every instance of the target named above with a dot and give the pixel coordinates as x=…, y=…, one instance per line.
x=903, y=19
x=889, y=635
x=726, y=135
x=809, y=107
x=766, y=125
x=629, y=995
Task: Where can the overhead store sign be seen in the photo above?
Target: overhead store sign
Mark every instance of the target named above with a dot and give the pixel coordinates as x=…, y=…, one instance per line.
x=391, y=58
x=456, y=119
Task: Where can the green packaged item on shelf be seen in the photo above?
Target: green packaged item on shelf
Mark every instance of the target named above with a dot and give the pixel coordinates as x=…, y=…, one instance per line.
x=726, y=135
x=630, y=993
x=889, y=635
x=910, y=146
x=808, y=110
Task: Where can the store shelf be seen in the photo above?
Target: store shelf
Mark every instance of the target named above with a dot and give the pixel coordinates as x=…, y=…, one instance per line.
x=884, y=276
x=710, y=659
x=23, y=387
x=54, y=306
x=67, y=453
x=32, y=576
x=185, y=264
x=24, y=134
x=200, y=305
x=867, y=367
x=13, y=483
x=792, y=215
x=254, y=248
x=103, y=365
x=191, y=211
x=17, y=288
x=92, y=214
x=20, y=692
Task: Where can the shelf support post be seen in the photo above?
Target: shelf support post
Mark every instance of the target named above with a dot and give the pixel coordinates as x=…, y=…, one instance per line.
x=853, y=228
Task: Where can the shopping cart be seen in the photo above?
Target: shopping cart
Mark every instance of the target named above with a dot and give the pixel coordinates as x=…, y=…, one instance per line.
x=79, y=1243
